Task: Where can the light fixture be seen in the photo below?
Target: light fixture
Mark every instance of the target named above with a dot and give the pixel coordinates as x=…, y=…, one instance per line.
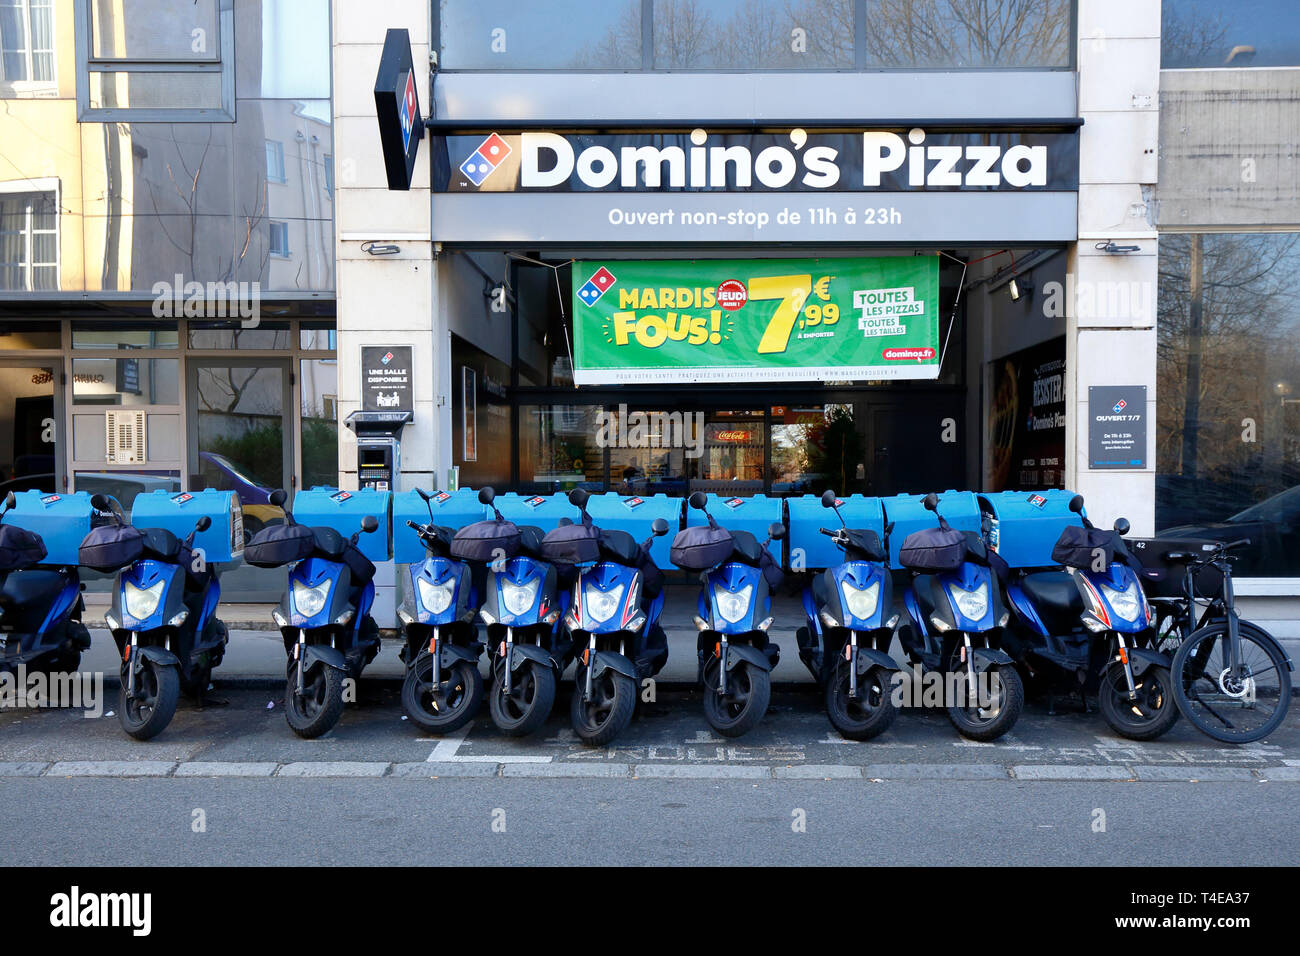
x=373, y=248
x=1021, y=286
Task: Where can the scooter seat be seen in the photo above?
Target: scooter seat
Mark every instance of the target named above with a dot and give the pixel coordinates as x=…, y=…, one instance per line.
x=161, y=544
x=31, y=588
x=1053, y=592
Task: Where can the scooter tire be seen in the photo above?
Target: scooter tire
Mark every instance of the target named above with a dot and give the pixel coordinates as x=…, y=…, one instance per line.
x=1010, y=707
x=161, y=685
x=871, y=713
x=1155, y=690
x=319, y=708
x=462, y=686
x=722, y=715
x=618, y=690
x=529, y=704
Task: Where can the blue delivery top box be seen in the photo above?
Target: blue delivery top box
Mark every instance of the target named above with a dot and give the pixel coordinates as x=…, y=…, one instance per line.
x=635, y=514
x=451, y=509
x=1024, y=525
x=908, y=513
x=178, y=512
x=809, y=549
x=343, y=510
x=61, y=521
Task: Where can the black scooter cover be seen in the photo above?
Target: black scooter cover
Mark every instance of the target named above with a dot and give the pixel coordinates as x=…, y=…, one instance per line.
x=701, y=547
x=111, y=547
x=280, y=544
x=486, y=541
x=933, y=550
x=19, y=548
x=1081, y=547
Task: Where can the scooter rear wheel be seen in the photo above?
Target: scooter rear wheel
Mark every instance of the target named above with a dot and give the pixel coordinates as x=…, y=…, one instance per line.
x=446, y=707
x=529, y=703
x=749, y=691
x=319, y=707
x=145, y=714
x=607, y=714
x=867, y=715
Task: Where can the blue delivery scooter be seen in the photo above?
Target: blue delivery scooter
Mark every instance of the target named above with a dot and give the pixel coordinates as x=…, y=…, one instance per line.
x=851, y=621
x=164, y=621
x=957, y=629
x=529, y=650
x=733, y=614
x=614, y=617
x=324, y=616
x=440, y=647
x=40, y=607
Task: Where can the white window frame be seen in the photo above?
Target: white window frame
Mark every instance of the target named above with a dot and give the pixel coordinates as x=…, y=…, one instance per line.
x=30, y=87
x=47, y=184
x=223, y=64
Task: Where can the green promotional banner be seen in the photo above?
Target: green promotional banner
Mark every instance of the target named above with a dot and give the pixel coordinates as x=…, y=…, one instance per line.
x=760, y=320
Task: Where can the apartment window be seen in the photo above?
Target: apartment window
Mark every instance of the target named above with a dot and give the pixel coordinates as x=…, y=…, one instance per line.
x=275, y=161
x=1200, y=34
x=26, y=45
x=280, y=239
x=29, y=239
x=153, y=61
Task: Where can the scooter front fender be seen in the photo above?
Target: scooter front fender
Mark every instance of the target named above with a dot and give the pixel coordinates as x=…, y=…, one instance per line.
x=313, y=654
x=156, y=655
x=1141, y=658
x=869, y=657
x=523, y=653
x=743, y=653
x=612, y=660
x=986, y=657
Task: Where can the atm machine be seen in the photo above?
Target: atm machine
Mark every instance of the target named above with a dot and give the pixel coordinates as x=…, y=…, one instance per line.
x=379, y=447
x=379, y=466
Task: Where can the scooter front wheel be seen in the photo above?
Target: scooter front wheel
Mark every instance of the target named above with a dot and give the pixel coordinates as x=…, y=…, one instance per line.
x=607, y=714
x=446, y=706
x=1148, y=716
x=529, y=703
x=749, y=691
x=320, y=705
x=147, y=712
x=867, y=715
x=988, y=716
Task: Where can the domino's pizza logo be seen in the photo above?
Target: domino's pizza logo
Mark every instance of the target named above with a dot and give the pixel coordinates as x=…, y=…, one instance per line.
x=1120, y=406
x=483, y=162
x=600, y=283
x=407, y=116
x=388, y=357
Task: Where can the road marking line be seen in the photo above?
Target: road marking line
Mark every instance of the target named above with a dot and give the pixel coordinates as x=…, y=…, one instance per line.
x=445, y=749
x=445, y=752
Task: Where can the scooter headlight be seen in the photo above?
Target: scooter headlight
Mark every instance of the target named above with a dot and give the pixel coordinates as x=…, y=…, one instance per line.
x=601, y=605
x=972, y=604
x=1125, y=602
x=436, y=598
x=518, y=598
x=310, y=601
x=141, y=602
x=861, y=602
x=733, y=605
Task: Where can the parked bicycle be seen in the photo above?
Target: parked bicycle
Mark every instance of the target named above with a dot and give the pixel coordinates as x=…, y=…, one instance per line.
x=1231, y=678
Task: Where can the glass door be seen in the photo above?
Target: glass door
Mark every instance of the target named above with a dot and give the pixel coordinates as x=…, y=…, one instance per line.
x=240, y=439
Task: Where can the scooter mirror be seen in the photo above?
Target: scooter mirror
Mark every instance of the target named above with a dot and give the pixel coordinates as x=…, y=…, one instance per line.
x=659, y=527
x=931, y=502
x=10, y=501
x=829, y=498
x=578, y=497
x=423, y=494
x=278, y=497
x=487, y=496
x=697, y=500
x=776, y=531
x=203, y=524
x=100, y=502
x=1121, y=526
x=369, y=523
x=1076, y=504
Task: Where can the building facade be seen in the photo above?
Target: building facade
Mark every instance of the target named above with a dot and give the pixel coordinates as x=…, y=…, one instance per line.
x=1096, y=195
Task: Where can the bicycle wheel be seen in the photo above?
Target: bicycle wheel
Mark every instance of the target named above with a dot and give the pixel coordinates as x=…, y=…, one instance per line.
x=1238, y=705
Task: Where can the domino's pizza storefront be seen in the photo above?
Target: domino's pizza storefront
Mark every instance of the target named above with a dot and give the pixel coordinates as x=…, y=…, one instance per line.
x=757, y=310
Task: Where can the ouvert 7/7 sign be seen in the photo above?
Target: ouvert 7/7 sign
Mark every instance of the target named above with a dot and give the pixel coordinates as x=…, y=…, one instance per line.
x=725, y=320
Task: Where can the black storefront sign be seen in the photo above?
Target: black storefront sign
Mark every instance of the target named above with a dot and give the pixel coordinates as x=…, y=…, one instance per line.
x=1117, y=426
x=1027, y=414
x=797, y=160
x=386, y=383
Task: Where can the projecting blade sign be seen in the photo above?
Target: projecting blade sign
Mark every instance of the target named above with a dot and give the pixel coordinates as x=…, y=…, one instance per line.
x=397, y=105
